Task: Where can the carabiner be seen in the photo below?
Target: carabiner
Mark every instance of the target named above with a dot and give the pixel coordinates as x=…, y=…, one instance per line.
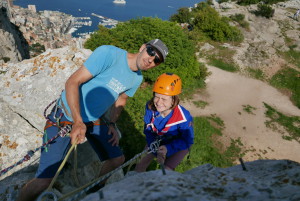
x=47, y=193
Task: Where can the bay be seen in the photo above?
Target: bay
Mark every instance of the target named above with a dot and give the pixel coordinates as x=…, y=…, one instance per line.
x=122, y=12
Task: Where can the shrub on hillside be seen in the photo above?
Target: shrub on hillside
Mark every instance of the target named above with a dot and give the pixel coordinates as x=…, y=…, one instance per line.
x=270, y=2
x=183, y=15
x=239, y=18
x=132, y=34
x=222, y=1
x=208, y=21
x=37, y=48
x=264, y=10
x=249, y=2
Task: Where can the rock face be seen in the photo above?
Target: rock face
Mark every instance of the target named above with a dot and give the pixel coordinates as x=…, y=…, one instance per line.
x=262, y=180
x=265, y=38
x=13, y=46
x=26, y=89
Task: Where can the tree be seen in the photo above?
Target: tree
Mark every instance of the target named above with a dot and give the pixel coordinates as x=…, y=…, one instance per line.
x=183, y=16
x=264, y=10
x=131, y=34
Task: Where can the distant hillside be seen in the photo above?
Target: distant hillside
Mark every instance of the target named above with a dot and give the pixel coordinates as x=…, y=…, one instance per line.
x=254, y=86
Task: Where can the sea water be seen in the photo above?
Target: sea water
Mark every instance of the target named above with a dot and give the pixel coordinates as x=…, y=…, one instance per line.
x=122, y=12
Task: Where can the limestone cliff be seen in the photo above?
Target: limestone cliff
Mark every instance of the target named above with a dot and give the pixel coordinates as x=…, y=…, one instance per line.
x=13, y=46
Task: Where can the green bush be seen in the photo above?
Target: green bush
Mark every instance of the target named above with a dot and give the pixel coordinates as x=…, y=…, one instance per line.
x=270, y=2
x=183, y=16
x=222, y=1
x=130, y=35
x=264, y=10
x=210, y=2
x=208, y=21
x=37, y=49
x=249, y=2
x=239, y=18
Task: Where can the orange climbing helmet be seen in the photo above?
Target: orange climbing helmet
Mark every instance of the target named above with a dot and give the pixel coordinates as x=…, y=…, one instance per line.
x=167, y=84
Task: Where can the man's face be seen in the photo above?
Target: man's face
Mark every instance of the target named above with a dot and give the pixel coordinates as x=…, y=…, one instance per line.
x=148, y=58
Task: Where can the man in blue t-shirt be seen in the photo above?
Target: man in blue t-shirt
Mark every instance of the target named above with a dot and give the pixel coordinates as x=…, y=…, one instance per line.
x=105, y=81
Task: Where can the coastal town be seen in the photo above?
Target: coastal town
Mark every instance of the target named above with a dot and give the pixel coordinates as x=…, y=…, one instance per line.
x=52, y=29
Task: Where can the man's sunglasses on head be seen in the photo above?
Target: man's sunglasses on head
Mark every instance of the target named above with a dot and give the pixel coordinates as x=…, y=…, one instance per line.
x=151, y=52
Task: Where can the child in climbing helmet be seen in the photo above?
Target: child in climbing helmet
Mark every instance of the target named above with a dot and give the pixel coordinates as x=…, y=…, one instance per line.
x=167, y=122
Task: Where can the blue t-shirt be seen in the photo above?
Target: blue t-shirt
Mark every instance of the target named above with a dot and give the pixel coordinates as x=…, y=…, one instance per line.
x=111, y=77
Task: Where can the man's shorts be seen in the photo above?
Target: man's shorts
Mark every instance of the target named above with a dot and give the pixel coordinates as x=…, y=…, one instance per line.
x=55, y=152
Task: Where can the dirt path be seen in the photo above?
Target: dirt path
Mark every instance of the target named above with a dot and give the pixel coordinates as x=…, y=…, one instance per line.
x=226, y=93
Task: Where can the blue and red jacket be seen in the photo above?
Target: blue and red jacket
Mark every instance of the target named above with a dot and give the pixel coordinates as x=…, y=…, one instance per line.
x=175, y=130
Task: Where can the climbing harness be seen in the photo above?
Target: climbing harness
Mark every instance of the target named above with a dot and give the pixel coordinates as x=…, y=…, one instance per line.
x=64, y=130
x=80, y=191
x=62, y=133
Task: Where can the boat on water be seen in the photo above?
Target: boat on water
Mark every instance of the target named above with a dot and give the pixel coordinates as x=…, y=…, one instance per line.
x=119, y=1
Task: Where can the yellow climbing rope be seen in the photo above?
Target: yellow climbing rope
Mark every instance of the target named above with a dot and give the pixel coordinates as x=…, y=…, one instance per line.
x=79, y=191
x=61, y=166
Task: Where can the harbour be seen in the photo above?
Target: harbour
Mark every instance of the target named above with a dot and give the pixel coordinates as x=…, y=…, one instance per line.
x=105, y=21
x=111, y=13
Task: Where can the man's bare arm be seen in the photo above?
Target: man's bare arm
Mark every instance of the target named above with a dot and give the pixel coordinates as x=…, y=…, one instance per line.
x=72, y=94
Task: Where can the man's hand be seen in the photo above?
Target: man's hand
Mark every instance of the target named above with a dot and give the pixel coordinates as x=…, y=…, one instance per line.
x=77, y=134
x=161, y=154
x=115, y=137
